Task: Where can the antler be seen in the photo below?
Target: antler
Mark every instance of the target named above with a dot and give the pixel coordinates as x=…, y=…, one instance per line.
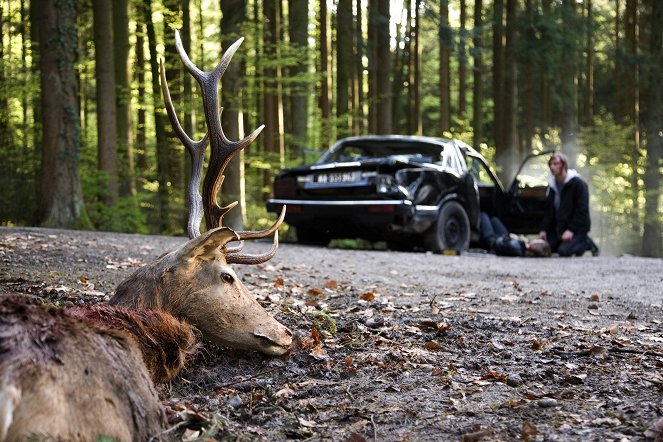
x=222, y=152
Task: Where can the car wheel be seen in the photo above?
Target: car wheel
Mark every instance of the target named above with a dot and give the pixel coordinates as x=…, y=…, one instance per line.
x=452, y=229
x=311, y=236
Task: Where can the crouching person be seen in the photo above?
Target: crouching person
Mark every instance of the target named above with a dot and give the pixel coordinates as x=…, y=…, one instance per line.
x=566, y=222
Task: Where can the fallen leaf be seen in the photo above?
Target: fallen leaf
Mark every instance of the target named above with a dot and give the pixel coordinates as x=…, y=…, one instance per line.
x=331, y=284
x=432, y=346
x=368, y=296
x=314, y=291
x=528, y=432
x=278, y=282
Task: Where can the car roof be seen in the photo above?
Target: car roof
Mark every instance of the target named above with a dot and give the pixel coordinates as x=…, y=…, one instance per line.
x=370, y=139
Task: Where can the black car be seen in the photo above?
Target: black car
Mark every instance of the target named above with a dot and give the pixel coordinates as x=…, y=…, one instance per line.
x=412, y=192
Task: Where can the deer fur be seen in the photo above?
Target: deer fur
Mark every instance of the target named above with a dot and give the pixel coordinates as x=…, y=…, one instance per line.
x=85, y=372
x=194, y=283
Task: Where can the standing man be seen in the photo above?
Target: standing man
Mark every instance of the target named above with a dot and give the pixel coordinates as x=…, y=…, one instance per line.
x=566, y=221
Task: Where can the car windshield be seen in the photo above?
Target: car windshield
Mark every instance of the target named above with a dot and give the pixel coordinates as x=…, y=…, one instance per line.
x=401, y=150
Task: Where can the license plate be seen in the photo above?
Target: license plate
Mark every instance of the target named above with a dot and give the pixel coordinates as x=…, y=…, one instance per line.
x=338, y=177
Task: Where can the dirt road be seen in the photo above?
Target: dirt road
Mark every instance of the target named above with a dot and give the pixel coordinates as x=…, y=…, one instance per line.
x=412, y=346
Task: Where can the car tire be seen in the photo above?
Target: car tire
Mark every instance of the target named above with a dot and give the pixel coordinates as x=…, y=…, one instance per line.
x=451, y=231
x=311, y=236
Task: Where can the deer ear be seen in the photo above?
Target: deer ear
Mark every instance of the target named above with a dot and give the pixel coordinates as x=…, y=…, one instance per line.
x=209, y=244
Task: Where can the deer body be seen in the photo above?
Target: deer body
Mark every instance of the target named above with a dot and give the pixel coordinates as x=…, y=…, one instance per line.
x=80, y=373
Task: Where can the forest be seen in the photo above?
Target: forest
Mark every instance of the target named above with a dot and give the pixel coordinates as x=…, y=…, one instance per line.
x=86, y=144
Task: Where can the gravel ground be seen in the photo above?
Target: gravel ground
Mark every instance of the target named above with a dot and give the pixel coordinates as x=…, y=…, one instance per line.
x=400, y=346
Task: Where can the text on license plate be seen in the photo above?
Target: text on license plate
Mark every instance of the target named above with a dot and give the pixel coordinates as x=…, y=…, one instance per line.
x=338, y=177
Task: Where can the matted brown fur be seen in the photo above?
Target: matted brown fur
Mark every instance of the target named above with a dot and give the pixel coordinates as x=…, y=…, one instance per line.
x=63, y=378
x=164, y=341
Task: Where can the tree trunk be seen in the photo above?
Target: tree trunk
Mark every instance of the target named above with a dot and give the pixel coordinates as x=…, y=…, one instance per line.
x=462, y=61
x=358, y=75
x=631, y=104
x=174, y=75
x=445, y=81
x=528, y=82
x=61, y=194
x=163, y=214
x=123, y=97
x=325, y=76
x=300, y=92
x=139, y=69
x=343, y=66
x=653, y=121
x=106, y=98
x=273, y=149
x=233, y=16
x=546, y=83
x=477, y=99
x=383, y=68
x=507, y=153
x=567, y=89
x=588, y=105
x=498, y=75
x=372, y=55
x=416, y=62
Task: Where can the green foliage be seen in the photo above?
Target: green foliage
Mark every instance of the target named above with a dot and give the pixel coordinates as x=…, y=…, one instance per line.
x=124, y=216
x=323, y=321
x=615, y=183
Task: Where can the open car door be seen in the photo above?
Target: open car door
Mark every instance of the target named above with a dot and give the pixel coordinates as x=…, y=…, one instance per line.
x=526, y=197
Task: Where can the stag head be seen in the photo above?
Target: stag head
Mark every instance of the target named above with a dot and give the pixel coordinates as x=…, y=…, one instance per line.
x=195, y=282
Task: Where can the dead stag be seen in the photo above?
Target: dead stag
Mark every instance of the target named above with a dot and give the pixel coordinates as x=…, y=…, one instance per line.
x=195, y=282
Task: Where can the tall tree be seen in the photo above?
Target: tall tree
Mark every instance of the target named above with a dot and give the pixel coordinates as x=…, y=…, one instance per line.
x=106, y=98
x=300, y=92
x=498, y=74
x=233, y=16
x=529, y=36
x=383, y=59
x=477, y=88
x=462, y=61
x=506, y=153
x=653, y=122
x=343, y=65
x=123, y=97
x=567, y=85
x=163, y=215
x=588, y=96
x=358, y=75
x=139, y=72
x=372, y=55
x=444, y=69
x=172, y=19
x=272, y=106
x=61, y=195
x=325, y=74
x=414, y=81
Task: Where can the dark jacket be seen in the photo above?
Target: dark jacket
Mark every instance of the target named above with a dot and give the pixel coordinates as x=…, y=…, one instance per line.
x=573, y=210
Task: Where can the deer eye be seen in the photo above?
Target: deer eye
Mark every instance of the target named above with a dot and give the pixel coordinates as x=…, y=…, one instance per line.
x=227, y=277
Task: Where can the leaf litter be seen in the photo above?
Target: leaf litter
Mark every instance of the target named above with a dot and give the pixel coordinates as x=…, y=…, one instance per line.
x=477, y=354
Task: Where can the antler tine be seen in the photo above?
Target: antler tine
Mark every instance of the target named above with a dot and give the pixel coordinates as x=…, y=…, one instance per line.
x=197, y=151
x=263, y=233
x=238, y=248
x=245, y=258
